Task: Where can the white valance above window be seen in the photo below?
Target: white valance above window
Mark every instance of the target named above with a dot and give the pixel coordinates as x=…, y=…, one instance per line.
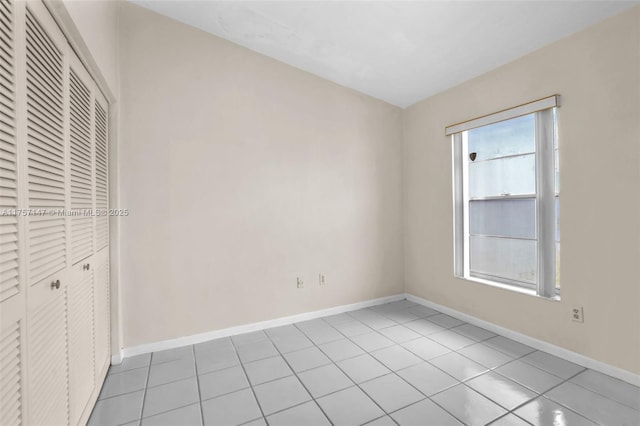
x=528, y=108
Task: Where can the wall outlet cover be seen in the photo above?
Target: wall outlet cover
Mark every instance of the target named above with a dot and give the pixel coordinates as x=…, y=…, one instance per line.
x=577, y=314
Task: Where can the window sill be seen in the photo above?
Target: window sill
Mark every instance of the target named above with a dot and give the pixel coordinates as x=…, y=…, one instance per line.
x=509, y=287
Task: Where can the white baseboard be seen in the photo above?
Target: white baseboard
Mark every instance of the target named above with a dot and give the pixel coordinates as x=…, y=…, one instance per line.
x=558, y=351
x=247, y=328
x=117, y=358
x=574, y=357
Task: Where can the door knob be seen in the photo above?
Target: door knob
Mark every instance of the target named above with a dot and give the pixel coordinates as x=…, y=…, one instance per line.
x=55, y=285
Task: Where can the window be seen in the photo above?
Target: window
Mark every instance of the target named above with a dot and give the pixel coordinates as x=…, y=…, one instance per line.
x=506, y=198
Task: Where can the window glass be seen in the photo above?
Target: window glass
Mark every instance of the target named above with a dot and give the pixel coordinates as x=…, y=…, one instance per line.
x=504, y=258
x=503, y=176
x=510, y=137
x=506, y=218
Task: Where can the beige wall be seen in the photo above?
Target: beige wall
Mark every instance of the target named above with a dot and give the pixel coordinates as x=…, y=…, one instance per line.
x=242, y=173
x=597, y=72
x=97, y=24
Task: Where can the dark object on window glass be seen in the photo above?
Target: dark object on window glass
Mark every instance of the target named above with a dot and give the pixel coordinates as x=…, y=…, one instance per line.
x=473, y=156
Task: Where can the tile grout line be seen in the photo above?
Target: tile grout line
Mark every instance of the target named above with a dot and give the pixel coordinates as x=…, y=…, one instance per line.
x=253, y=392
x=195, y=364
x=508, y=413
x=146, y=386
x=121, y=394
x=168, y=411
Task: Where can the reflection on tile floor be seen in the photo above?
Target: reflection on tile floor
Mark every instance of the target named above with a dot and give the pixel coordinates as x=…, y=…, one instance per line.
x=393, y=364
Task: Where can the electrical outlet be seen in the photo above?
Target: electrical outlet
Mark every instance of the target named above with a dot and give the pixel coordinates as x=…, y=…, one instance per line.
x=321, y=279
x=577, y=314
x=299, y=282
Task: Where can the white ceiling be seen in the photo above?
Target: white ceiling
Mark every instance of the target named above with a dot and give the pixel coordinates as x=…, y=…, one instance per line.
x=397, y=51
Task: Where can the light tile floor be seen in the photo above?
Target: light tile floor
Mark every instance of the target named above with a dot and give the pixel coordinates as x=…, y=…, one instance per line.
x=398, y=363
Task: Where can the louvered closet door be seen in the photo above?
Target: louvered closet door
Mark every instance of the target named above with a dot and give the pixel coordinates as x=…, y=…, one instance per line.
x=101, y=271
x=46, y=151
x=9, y=281
x=12, y=289
x=46, y=239
x=81, y=284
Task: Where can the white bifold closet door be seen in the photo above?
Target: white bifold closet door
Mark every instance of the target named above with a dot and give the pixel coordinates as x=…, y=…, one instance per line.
x=54, y=224
x=12, y=288
x=46, y=234
x=80, y=290
x=88, y=292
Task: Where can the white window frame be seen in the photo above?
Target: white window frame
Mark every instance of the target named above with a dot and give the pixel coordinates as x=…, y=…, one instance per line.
x=546, y=134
